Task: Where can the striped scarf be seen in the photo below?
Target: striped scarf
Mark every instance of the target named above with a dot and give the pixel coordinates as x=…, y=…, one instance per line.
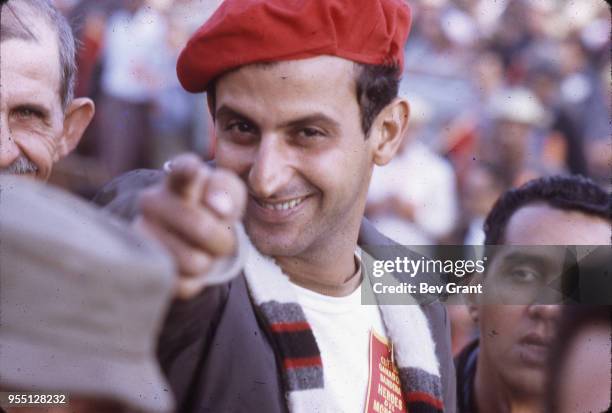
x=295, y=343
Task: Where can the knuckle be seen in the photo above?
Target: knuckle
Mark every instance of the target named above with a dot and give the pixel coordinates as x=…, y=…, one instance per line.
x=187, y=157
x=229, y=183
x=193, y=263
x=214, y=236
x=189, y=287
x=224, y=179
x=201, y=223
x=227, y=240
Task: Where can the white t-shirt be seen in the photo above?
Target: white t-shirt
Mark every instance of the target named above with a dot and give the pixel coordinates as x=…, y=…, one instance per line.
x=341, y=326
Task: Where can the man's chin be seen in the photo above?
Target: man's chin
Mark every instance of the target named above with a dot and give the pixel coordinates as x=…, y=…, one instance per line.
x=272, y=244
x=529, y=379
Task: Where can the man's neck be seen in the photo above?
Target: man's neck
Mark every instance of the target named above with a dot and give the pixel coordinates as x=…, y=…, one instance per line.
x=328, y=266
x=333, y=273
x=491, y=394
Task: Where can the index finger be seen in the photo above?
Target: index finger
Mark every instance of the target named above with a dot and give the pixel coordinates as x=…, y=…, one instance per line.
x=187, y=176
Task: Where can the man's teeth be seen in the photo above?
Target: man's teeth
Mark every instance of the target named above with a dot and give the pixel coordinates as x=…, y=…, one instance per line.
x=281, y=206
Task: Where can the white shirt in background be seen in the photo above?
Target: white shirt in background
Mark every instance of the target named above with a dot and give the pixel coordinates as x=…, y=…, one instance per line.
x=424, y=179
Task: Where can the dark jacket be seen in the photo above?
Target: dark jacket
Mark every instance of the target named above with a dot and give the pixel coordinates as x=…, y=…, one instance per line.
x=465, y=364
x=215, y=349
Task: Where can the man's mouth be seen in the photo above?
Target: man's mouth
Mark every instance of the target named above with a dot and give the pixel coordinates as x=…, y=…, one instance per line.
x=534, y=339
x=275, y=211
x=280, y=206
x=534, y=348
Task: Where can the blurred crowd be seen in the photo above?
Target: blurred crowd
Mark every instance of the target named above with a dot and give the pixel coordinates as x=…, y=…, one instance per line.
x=501, y=92
x=127, y=65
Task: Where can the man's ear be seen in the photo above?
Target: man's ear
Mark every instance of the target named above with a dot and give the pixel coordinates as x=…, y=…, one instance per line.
x=389, y=130
x=473, y=300
x=78, y=115
x=473, y=311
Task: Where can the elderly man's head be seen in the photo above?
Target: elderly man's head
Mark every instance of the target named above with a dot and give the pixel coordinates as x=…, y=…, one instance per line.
x=40, y=122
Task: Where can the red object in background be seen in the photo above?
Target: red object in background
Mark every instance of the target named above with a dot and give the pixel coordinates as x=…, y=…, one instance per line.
x=461, y=139
x=88, y=54
x=241, y=32
x=461, y=145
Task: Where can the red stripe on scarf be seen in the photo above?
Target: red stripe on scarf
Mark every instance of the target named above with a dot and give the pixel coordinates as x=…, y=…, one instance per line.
x=294, y=363
x=289, y=327
x=422, y=397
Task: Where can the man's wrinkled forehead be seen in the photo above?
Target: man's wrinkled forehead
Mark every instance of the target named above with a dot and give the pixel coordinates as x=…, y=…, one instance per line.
x=19, y=34
x=18, y=20
x=12, y=24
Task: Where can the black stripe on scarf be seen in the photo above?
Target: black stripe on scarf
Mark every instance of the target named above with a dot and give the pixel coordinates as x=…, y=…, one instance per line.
x=295, y=341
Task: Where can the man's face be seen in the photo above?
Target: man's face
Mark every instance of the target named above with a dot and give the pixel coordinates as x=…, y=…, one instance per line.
x=31, y=114
x=292, y=131
x=515, y=339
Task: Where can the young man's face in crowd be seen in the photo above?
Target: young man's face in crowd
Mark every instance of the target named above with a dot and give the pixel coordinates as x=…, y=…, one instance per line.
x=35, y=131
x=515, y=339
x=292, y=131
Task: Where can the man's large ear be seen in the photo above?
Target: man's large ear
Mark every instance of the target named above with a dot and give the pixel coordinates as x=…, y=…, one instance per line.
x=389, y=130
x=78, y=116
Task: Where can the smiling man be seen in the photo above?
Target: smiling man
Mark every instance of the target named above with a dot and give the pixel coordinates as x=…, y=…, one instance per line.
x=504, y=371
x=292, y=131
x=304, y=99
x=40, y=122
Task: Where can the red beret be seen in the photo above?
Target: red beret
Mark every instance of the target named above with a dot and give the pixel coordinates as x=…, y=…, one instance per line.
x=241, y=32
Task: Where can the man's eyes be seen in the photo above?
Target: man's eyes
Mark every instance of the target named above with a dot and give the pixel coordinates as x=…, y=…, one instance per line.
x=524, y=274
x=310, y=133
x=240, y=126
x=25, y=113
x=242, y=130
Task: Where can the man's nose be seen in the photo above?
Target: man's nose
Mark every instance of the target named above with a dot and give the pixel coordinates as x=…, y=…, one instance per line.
x=270, y=170
x=545, y=311
x=9, y=151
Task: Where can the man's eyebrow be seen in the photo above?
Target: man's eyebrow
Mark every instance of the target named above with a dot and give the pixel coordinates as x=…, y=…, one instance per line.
x=226, y=112
x=519, y=257
x=313, y=118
